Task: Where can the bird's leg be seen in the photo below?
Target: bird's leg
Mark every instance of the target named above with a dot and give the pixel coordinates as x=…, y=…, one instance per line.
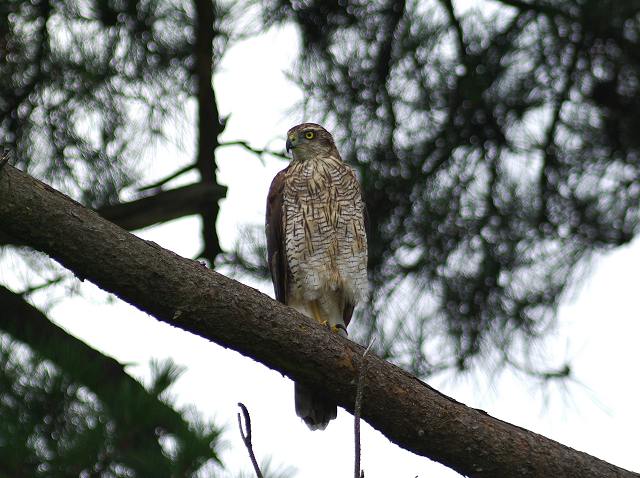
x=314, y=307
x=317, y=314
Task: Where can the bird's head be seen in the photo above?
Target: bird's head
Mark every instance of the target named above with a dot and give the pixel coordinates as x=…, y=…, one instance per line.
x=310, y=140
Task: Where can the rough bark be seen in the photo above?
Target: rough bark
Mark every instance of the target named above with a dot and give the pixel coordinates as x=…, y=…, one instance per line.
x=183, y=293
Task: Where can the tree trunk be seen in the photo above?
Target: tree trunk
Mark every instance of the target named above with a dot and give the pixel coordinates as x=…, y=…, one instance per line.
x=209, y=126
x=187, y=295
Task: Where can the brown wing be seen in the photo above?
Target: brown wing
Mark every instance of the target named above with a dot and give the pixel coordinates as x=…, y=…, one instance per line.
x=275, y=242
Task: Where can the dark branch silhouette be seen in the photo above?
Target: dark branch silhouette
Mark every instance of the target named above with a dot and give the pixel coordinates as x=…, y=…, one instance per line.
x=246, y=437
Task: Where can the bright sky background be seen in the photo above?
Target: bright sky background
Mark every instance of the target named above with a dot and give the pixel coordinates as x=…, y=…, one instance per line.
x=598, y=330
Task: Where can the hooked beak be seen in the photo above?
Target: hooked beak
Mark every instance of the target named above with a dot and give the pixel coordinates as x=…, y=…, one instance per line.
x=289, y=145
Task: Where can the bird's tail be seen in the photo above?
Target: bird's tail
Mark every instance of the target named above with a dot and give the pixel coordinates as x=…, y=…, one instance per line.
x=314, y=408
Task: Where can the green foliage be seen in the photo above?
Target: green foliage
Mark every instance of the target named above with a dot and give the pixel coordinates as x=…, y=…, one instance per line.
x=163, y=375
x=51, y=425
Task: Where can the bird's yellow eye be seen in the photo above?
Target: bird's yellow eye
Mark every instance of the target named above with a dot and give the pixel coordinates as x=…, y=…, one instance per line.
x=309, y=135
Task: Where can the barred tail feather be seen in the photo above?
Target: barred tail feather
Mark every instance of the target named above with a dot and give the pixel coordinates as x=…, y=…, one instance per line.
x=315, y=409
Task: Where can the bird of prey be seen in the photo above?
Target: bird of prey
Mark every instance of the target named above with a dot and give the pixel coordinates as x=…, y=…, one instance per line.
x=317, y=244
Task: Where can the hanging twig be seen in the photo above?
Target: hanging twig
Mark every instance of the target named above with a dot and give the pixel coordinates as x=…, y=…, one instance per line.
x=356, y=412
x=246, y=437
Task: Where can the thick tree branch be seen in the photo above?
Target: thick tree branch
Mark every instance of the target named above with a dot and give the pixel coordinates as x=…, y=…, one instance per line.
x=161, y=207
x=183, y=293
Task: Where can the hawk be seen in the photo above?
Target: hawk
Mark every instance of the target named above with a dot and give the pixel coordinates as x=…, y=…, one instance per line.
x=317, y=244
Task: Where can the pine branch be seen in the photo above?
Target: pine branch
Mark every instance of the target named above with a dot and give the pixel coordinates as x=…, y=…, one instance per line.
x=102, y=375
x=161, y=207
x=186, y=295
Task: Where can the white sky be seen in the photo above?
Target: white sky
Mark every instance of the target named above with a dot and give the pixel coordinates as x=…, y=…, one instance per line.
x=600, y=329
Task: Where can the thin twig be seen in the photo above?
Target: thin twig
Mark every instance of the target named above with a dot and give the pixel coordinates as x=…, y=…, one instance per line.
x=356, y=413
x=164, y=181
x=246, y=438
x=34, y=288
x=256, y=151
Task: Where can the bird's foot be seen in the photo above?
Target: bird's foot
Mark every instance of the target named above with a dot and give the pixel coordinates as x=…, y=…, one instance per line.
x=340, y=329
x=336, y=329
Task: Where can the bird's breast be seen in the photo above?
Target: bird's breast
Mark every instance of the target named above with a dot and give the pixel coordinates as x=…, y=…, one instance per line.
x=324, y=227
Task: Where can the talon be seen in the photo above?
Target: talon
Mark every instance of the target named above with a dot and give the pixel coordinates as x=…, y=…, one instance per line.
x=338, y=327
